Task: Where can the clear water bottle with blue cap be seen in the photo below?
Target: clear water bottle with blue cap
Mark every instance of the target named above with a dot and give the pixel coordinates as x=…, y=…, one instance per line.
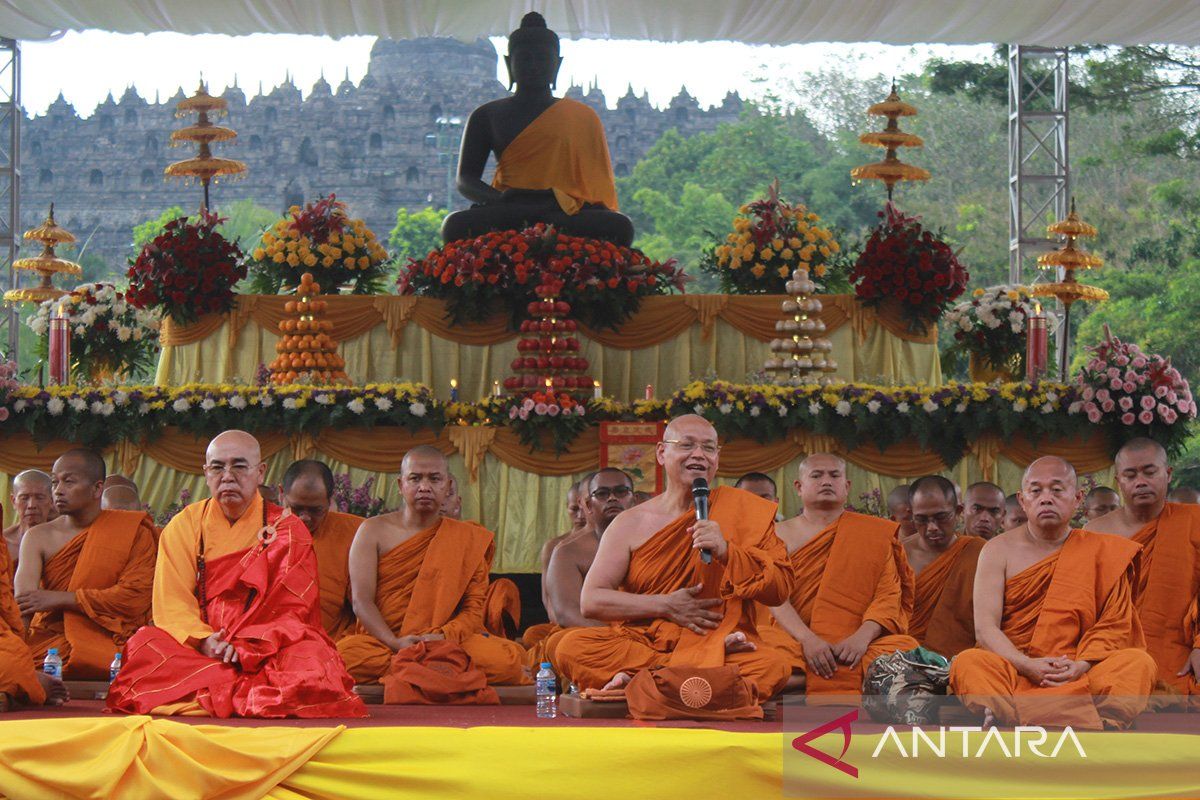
x=547, y=692
x=52, y=665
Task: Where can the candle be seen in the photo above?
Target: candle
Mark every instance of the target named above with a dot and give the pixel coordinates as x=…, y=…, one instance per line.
x=1036, y=345
x=495, y=388
x=60, y=348
x=649, y=391
x=453, y=390
x=597, y=390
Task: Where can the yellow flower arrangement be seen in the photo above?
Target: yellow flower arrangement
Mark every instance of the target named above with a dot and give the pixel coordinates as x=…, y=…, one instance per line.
x=770, y=239
x=323, y=237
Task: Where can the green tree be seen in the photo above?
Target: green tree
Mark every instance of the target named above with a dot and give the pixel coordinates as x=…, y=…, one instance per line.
x=144, y=232
x=415, y=233
x=244, y=223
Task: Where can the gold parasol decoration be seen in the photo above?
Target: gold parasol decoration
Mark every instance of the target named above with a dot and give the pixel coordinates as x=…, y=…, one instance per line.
x=204, y=166
x=1067, y=289
x=47, y=263
x=891, y=170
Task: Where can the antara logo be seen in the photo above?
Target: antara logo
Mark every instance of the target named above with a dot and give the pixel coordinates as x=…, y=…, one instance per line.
x=842, y=723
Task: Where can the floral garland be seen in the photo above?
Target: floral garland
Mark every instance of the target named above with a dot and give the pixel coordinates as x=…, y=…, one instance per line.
x=1139, y=393
x=771, y=237
x=320, y=238
x=944, y=419
x=187, y=271
x=904, y=261
x=602, y=281
x=108, y=333
x=992, y=325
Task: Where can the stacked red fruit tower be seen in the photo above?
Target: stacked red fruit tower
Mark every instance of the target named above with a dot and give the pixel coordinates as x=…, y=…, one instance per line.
x=306, y=349
x=548, y=350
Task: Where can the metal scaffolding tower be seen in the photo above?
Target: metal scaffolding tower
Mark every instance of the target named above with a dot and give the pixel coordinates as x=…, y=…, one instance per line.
x=1039, y=164
x=10, y=180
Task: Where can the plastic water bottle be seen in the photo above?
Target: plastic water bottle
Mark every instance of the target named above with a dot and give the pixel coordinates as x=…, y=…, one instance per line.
x=52, y=666
x=547, y=692
x=114, y=668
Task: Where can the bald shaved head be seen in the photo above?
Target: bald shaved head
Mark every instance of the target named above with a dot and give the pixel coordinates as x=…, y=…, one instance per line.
x=32, y=498
x=1050, y=495
x=425, y=452
x=825, y=458
x=689, y=450
x=30, y=479
x=235, y=441
x=693, y=423
x=822, y=482
x=233, y=470
x=1142, y=446
x=1050, y=465
x=119, y=480
x=120, y=498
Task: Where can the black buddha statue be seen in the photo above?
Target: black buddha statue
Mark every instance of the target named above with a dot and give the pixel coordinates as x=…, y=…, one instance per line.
x=552, y=161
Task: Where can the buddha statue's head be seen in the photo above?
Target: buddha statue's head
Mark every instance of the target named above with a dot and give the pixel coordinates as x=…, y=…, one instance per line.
x=533, y=58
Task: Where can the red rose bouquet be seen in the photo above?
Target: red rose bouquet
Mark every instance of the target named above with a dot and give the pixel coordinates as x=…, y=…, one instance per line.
x=602, y=281
x=187, y=271
x=903, y=260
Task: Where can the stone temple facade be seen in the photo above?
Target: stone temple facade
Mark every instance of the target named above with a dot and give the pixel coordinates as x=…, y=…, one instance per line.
x=390, y=142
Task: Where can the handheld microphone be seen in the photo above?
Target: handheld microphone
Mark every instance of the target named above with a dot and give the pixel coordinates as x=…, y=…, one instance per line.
x=700, y=498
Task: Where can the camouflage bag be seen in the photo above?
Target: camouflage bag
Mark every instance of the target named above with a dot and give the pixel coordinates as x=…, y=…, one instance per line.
x=906, y=687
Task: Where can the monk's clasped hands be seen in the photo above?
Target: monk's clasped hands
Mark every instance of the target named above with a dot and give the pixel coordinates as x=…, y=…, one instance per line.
x=706, y=535
x=216, y=647
x=819, y=656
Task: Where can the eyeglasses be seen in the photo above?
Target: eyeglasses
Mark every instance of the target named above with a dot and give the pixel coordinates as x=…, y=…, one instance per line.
x=688, y=446
x=238, y=470
x=618, y=492
x=937, y=519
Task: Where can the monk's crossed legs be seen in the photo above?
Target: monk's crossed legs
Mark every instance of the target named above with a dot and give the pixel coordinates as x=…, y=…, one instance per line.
x=502, y=661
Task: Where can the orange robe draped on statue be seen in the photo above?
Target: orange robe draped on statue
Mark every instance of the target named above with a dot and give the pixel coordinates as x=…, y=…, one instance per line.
x=264, y=594
x=1077, y=603
x=853, y=571
x=17, y=678
x=436, y=582
x=331, y=543
x=110, y=568
x=564, y=150
x=943, y=617
x=756, y=571
x=1167, y=591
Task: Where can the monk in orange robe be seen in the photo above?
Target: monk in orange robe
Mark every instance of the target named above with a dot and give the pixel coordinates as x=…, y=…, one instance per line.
x=608, y=493
x=307, y=492
x=84, y=578
x=237, y=621
x=1169, y=581
x=416, y=576
x=34, y=504
x=19, y=679
x=1059, y=640
x=944, y=561
x=578, y=517
x=666, y=606
x=853, y=594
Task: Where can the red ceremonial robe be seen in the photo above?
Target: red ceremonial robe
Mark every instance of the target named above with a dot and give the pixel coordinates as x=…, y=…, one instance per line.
x=267, y=600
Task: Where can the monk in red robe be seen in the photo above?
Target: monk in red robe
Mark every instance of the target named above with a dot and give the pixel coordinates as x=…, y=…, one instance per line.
x=84, y=578
x=853, y=594
x=1059, y=640
x=417, y=577
x=1169, y=581
x=33, y=500
x=944, y=561
x=237, y=620
x=308, y=494
x=608, y=493
x=667, y=605
x=19, y=679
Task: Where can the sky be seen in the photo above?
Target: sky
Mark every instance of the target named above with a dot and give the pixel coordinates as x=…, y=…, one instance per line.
x=86, y=66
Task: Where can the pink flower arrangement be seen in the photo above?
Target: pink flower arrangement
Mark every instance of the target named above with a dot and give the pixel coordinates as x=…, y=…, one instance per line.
x=1120, y=382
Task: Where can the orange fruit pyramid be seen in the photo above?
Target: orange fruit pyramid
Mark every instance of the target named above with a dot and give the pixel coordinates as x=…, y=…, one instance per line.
x=306, y=349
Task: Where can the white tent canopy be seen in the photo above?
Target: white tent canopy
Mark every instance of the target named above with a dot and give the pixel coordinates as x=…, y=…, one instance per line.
x=1043, y=22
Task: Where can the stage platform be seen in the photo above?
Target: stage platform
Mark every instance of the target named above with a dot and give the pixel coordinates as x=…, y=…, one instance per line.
x=506, y=751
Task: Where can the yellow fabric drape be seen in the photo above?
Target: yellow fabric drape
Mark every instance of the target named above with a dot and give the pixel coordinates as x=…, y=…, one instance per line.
x=107, y=757
x=671, y=340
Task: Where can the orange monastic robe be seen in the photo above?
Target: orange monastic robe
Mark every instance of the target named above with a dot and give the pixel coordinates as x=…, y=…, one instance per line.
x=503, y=598
x=436, y=582
x=110, y=568
x=564, y=150
x=943, y=617
x=1077, y=603
x=17, y=676
x=331, y=543
x=1167, y=592
x=756, y=571
x=853, y=571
